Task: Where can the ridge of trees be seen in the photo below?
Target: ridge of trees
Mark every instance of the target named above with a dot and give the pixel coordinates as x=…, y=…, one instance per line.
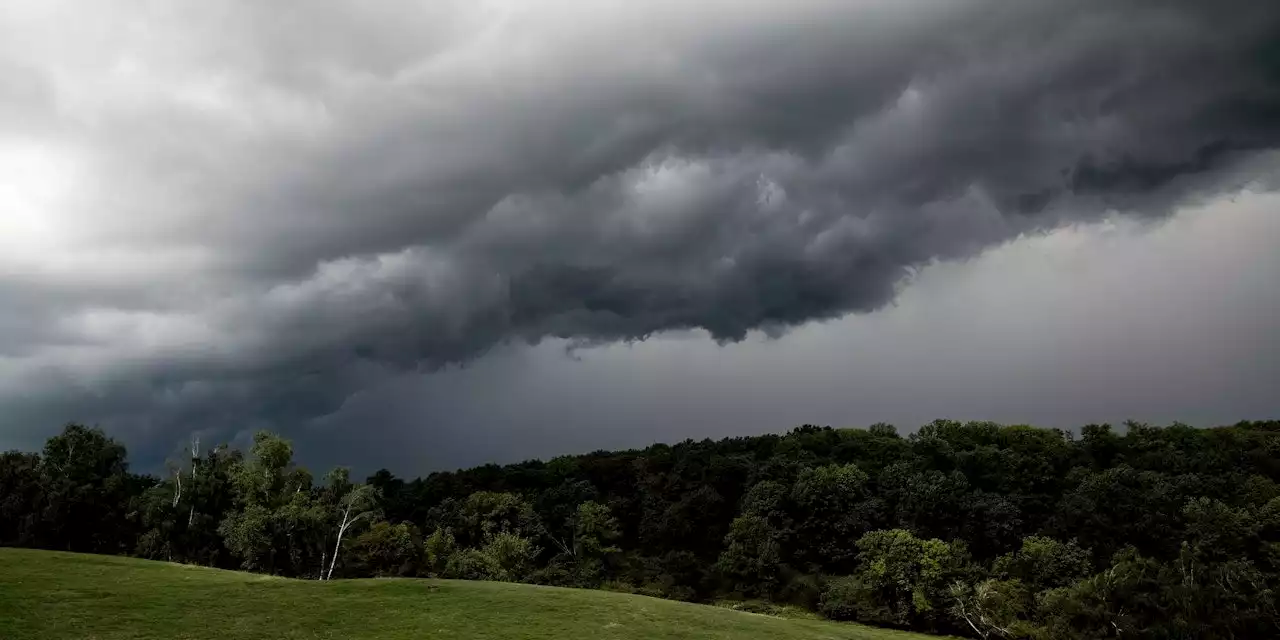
x=974, y=529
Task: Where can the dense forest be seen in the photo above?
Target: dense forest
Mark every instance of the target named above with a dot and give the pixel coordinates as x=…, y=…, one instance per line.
x=974, y=529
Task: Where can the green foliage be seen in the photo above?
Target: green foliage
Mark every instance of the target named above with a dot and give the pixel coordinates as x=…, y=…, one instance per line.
x=510, y=557
x=883, y=429
x=800, y=589
x=470, y=564
x=767, y=499
x=994, y=608
x=1044, y=563
x=931, y=501
x=970, y=528
x=504, y=556
x=846, y=598
x=767, y=608
x=1217, y=531
x=385, y=550
x=589, y=549
x=827, y=502
x=829, y=488
x=594, y=527
x=21, y=493
x=152, y=546
x=265, y=478
x=247, y=534
x=903, y=580
x=84, y=484
x=1124, y=505
x=282, y=525
x=438, y=548
x=752, y=559
x=486, y=513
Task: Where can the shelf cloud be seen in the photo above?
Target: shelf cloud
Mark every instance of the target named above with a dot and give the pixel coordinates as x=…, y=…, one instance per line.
x=240, y=215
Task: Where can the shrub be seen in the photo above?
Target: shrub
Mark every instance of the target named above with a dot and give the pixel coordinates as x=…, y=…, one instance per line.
x=439, y=548
x=471, y=564
x=801, y=589
x=385, y=550
x=510, y=556
x=847, y=598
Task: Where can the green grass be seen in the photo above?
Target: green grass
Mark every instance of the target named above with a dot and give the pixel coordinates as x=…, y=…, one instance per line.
x=47, y=595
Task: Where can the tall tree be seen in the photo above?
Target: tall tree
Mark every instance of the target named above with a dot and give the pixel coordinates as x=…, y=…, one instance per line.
x=356, y=504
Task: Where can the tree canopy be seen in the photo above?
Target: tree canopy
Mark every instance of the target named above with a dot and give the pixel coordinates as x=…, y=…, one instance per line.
x=974, y=529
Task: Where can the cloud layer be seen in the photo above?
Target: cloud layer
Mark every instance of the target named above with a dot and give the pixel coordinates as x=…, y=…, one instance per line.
x=241, y=215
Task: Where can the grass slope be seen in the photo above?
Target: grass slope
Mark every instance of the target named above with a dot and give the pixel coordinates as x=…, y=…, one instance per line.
x=48, y=595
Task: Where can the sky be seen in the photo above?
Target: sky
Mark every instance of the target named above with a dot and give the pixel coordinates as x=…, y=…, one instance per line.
x=424, y=235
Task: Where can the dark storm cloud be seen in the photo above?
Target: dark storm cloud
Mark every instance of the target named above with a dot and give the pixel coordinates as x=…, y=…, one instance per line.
x=1098, y=323
x=294, y=205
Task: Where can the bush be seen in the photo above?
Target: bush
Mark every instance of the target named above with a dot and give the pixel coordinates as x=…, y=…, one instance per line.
x=766, y=608
x=847, y=598
x=801, y=589
x=151, y=545
x=511, y=557
x=385, y=550
x=681, y=592
x=651, y=589
x=618, y=586
x=471, y=564
x=556, y=574
x=667, y=589
x=439, y=548
x=994, y=608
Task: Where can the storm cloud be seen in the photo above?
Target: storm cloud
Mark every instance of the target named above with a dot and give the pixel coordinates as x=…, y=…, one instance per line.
x=243, y=215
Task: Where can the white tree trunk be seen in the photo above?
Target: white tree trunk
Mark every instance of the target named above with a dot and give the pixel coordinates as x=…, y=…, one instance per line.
x=346, y=522
x=355, y=499
x=195, y=455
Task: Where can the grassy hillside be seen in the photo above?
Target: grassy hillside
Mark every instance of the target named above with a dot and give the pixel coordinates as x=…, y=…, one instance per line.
x=47, y=595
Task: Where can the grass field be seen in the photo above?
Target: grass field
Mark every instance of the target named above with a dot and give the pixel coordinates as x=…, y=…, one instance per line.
x=48, y=596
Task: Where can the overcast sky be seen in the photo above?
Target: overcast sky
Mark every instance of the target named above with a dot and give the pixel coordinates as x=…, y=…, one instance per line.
x=423, y=235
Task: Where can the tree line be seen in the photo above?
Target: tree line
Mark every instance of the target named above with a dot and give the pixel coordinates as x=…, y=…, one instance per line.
x=974, y=529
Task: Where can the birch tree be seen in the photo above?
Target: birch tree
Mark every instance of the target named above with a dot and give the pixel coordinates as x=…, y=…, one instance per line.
x=177, y=492
x=357, y=504
x=195, y=463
